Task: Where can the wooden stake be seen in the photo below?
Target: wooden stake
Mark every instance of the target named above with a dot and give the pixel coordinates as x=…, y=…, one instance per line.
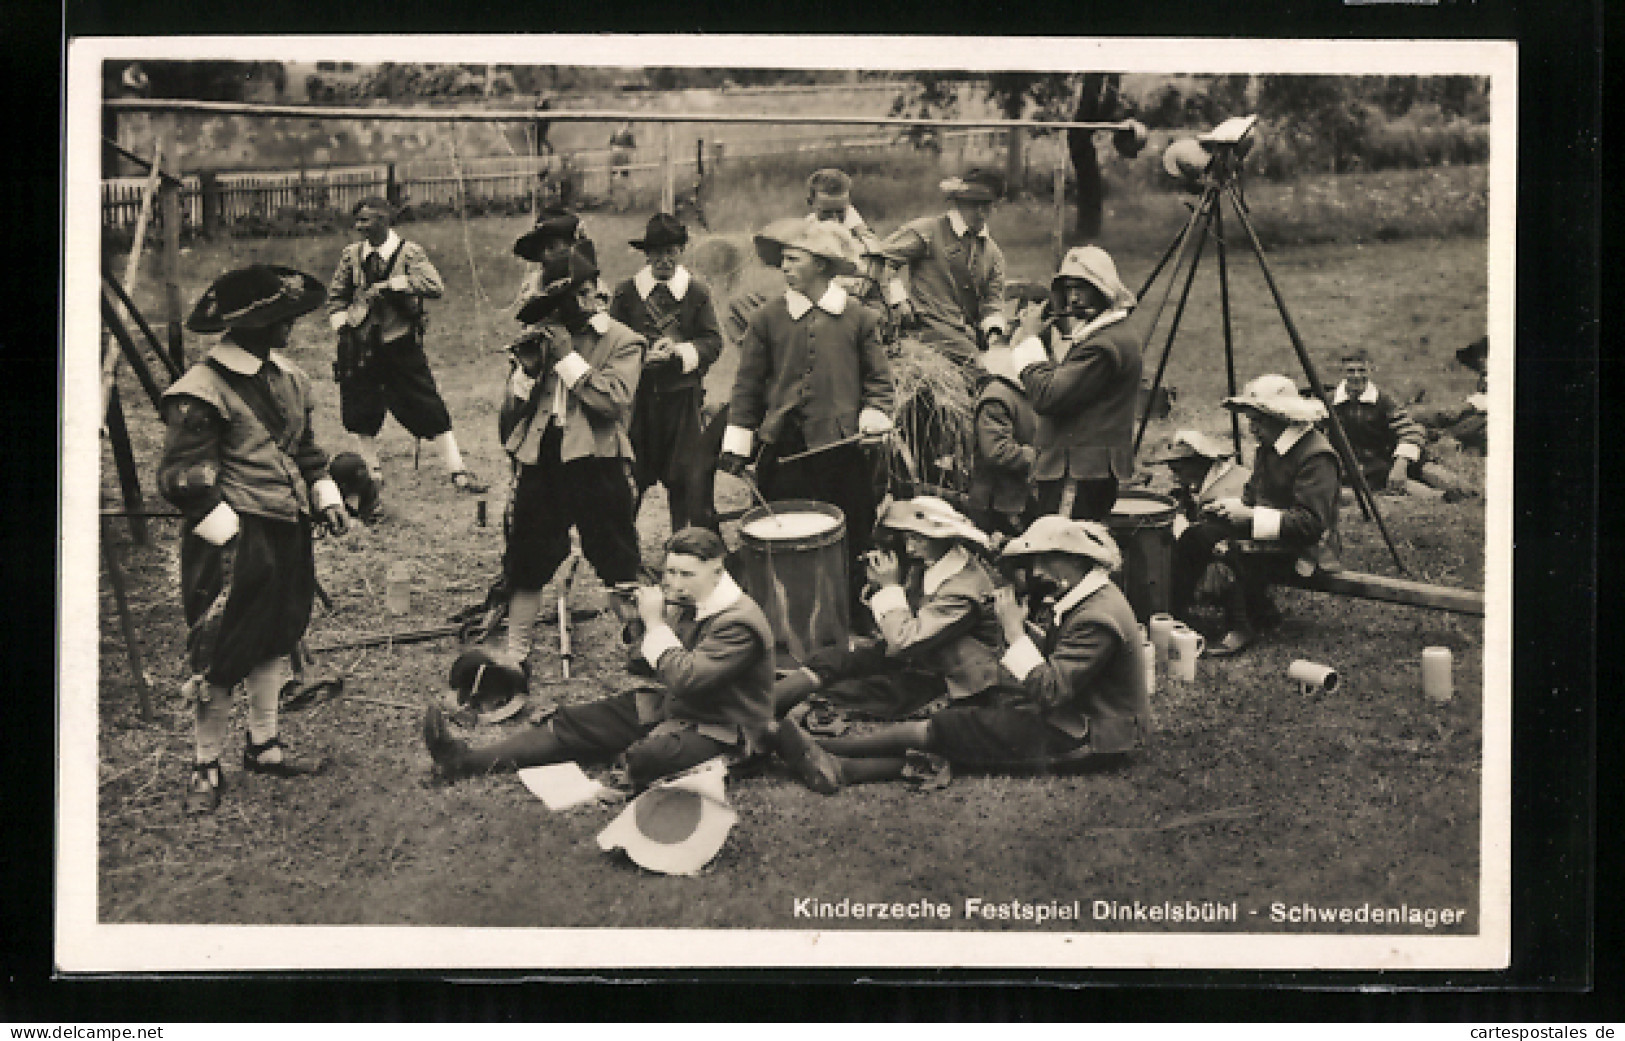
x=132, y=269
x=668, y=176
x=115, y=576
x=1060, y=203
x=169, y=210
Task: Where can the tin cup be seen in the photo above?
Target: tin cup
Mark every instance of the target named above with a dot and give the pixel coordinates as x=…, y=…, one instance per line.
x=1185, y=645
x=1313, y=677
x=398, y=588
x=1437, y=683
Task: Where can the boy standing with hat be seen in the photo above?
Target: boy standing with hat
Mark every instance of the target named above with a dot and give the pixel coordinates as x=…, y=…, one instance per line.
x=564, y=422
x=1078, y=692
x=672, y=310
x=955, y=290
x=813, y=377
x=242, y=464
x=1001, y=484
x=1284, y=521
x=711, y=648
x=376, y=306
x=556, y=233
x=1082, y=374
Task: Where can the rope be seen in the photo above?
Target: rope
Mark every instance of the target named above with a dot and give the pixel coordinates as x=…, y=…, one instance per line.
x=482, y=300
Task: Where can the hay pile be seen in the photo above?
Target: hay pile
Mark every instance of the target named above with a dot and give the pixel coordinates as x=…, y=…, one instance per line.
x=933, y=410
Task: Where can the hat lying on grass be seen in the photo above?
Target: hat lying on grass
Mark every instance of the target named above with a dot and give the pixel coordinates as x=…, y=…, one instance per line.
x=1052, y=533
x=1278, y=396
x=255, y=297
x=492, y=689
x=679, y=825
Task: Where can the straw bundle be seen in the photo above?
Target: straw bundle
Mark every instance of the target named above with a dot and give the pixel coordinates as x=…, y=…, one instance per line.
x=933, y=411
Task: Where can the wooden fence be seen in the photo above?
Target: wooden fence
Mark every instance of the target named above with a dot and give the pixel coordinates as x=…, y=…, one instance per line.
x=212, y=200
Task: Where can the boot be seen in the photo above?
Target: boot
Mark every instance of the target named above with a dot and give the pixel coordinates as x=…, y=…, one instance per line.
x=288, y=765
x=1239, y=631
x=449, y=754
x=204, y=787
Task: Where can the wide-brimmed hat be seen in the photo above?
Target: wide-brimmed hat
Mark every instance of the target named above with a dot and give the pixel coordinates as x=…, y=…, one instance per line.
x=1053, y=533
x=1193, y=444
x=1278, y=396
x=679, y=825
x=1094, y=265
x=1475, y=355
x=973, y=185
x=552, y=225
x=664, y=230
x=255, y=297
x=494, y=690
x=561, y=277
x=933, y=518
x=820, y=238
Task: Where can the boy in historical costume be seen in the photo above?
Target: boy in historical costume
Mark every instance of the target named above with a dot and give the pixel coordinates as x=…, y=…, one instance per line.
x=1467, y=425
x=1075, y=695
x=556, y=234
x=1285, y=520
x=938, y=632
x=672, y=310
x=812, y=375
x=829, y=201
x=1002, y=497
x=1205, y=470
x=376, y=306
x=1082, y=375
x=711, y=649
x=242, y=463
x=564, y=421
x=1388, y=444
x=955, y=288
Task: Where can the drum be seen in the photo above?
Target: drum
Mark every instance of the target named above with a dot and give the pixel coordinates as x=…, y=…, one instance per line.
x=793, y=563
x=1142, y=522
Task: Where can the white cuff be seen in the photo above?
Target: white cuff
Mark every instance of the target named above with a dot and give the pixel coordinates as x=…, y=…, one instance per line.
x=219, y=527
x=521, y=384
x=1478, y=402
x=1022, y=658
x=571, y=368
x=896, y=293
x=1266, y=524
x=738, y=441
x=325, y=494
x=338, y=320
x=690, y=356
x=399, y=283
x=658, y=641
x=994, y=321
x=1030, y=351
x=1406, y=450
x=888, y=599
x=873, y=421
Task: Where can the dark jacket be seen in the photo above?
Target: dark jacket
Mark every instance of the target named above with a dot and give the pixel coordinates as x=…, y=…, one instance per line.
x=1086, y=401
x=1092, y=679
x=1006, y=428
x=816, y=373
x=216, y=450
x=597, y=409
x=1377, y=426
x=692, y=320
x=398, y=311
x=723, y=672
x=1303, y=486
x=950, y=631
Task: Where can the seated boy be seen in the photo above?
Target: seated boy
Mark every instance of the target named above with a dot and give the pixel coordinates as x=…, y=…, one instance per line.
x=1205, y=471
x=939, y=633
x=710, y=647
x=1387, y=442
x=1075, y=695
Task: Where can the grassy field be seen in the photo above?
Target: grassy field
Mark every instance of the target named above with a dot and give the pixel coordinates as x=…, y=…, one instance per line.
x=1251, y=792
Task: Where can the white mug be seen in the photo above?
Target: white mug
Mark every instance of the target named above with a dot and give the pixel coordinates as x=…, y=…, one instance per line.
x=1185, y=645
x=1313, y=677
x=1149, y=654
x=1436, y=678
x=1162, y=625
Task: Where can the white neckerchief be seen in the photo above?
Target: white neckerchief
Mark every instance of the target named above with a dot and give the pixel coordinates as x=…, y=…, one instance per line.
x=724, y=596
x=1290, y=436
x=677, y=285
x=1367, y=396
x=832, y=302
x=1090, y=583
x=598, y=323
x=1088, y=329
x=1215, y=474
x=960, y=227
x=385, y=252
x=947, y=566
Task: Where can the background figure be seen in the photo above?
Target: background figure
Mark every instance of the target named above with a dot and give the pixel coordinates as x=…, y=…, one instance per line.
x=955, y=289
x=671, y=309
x=242, y=464
x=1388, y=444
x=1468, y=424
x=376, y=307
x=829, y=201
x=1082, y=374
x=1002, y=497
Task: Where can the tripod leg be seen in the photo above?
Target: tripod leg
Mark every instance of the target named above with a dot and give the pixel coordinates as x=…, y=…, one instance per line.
x=1172, y=248
x=1224, y=313
x=1339, y=438
x=138, y=674
x=1209, y=199
x=1179, y=312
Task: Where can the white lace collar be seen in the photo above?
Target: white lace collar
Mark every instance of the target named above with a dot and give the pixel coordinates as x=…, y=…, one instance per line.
x=1088, y=585
x=1367, y=396
x=677, y=285
x=832, y=302
x=723, y=596
x=947, y=566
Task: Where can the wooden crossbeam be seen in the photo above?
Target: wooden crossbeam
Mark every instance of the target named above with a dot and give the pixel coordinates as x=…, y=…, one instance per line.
x=1395, y=591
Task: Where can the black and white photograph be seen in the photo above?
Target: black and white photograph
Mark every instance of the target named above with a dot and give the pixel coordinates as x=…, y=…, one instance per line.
x=714, y=502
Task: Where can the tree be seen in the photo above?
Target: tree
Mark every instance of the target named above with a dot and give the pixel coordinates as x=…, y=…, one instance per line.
x=1087, y=97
